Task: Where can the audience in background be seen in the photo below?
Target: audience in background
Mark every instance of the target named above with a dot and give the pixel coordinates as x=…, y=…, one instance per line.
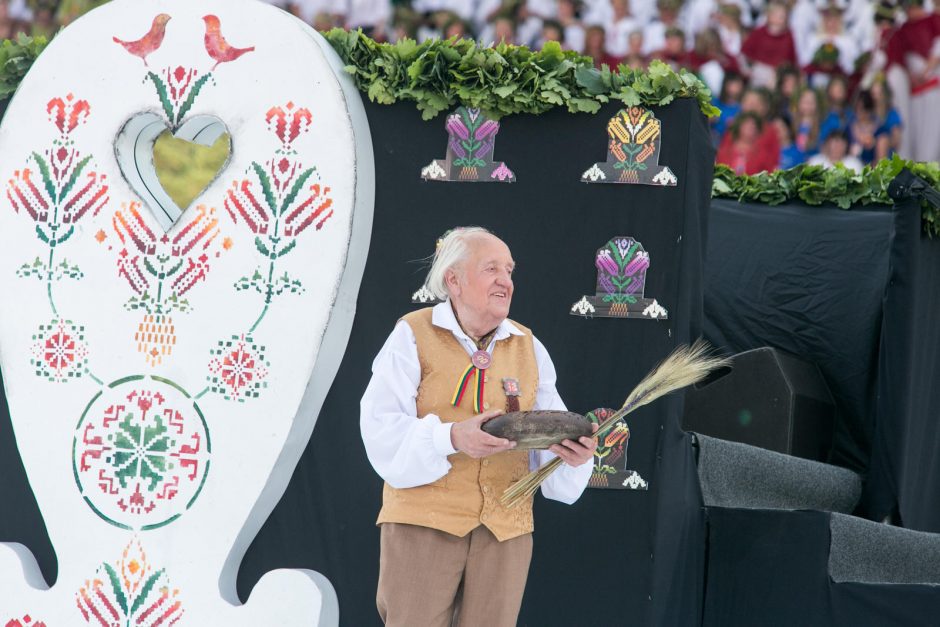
x=769, y=46
x=806, y=121
x=867, y=140
x=835, y=150
x=745, y=149
x=838, y=113
x=790, y=154
x=797, y=81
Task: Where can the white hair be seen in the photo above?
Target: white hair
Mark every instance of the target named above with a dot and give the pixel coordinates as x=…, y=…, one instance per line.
x=452, y=250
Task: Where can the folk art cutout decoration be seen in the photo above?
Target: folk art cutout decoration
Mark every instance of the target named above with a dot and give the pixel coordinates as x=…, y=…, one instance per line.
x=165, y=365
x=621, y=265
x=471, y=141
x=634, y=136
x=610, y=458
x=424, y=296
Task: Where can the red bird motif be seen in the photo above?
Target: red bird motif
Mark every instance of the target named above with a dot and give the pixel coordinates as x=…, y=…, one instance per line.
x=219, y=49
x=149, y=42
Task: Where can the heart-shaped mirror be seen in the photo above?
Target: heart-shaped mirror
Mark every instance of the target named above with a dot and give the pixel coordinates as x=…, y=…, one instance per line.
x=169, y=170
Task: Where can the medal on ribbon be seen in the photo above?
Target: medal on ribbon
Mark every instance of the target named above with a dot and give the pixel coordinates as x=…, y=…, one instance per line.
x=479, y=361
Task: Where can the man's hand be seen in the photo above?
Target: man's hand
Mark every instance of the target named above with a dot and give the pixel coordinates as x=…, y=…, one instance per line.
x=576, y=453
x=467, y=437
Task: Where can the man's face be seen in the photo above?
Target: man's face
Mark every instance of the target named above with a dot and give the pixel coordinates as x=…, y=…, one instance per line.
x=483, y=285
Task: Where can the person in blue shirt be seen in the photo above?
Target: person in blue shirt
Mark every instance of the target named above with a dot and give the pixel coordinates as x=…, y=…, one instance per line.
x=839, y=114
x=890, y=122
x=728, y=103
x=790, y=154
x=867, y=139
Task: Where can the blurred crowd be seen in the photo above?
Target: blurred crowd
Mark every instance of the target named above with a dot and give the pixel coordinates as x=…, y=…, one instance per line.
x=796, y=81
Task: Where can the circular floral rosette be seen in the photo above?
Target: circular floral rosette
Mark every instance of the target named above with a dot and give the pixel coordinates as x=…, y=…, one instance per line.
x=141, y=452
x=59, y=352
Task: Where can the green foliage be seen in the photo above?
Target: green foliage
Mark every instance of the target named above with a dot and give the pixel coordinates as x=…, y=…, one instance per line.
x=816, y=185
x=439, y=75
x=16, y=57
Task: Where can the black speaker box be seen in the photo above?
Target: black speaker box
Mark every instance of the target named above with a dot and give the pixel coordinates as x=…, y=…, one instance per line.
x=766, y=398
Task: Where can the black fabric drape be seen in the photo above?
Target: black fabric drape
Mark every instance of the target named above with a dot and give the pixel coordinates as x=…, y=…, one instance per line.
x=810, y=281
x=770, y=568
x=905, y=477
x=21, y=520
x=679, y=538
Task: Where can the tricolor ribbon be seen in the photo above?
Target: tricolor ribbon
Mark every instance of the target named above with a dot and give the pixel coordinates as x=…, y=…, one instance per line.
x=471, y=372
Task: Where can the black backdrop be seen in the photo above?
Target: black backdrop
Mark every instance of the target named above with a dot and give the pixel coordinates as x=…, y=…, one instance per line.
x=810, y=281
x=904, y=479
x=857, y=292
x=639, y=554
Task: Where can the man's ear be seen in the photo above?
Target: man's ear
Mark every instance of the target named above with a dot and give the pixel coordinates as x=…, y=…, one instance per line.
x=452, y=281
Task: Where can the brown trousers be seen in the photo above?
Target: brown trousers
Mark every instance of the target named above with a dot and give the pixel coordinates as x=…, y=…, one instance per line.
x=429, y=578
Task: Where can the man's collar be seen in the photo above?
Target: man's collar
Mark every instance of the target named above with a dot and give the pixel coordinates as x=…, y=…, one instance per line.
x=443, y=316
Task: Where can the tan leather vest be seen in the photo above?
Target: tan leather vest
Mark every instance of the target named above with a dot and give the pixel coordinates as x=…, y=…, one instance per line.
x=468, y=494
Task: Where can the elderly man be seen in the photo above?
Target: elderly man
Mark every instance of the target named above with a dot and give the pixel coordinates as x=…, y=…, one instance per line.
x=442, y=373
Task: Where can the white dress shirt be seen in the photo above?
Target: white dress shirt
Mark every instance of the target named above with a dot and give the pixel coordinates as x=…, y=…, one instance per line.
x=407, y=450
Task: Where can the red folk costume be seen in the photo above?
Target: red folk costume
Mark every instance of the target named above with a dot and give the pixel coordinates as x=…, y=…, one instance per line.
x=913, y=45
x=764, y=155
x=915, y=38
x=774, y=50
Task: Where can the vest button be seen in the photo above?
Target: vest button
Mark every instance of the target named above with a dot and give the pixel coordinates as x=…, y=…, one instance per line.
x=483, y=517
x=486, y=462
x=486, y=489
x=486, y=405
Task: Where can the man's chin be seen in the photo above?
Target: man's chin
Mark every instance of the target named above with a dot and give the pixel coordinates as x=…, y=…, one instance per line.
x=500, y=310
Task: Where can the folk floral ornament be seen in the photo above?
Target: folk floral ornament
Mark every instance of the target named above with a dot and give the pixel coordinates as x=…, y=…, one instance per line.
x=634, y=137
x=24, y=621
x=238, y=369
x=60, y=352
x=610, y=458
x=164, y=373
x=424, y=296
x=130, y=591
x=471, y=142
x=621, y=265
x=160, y=270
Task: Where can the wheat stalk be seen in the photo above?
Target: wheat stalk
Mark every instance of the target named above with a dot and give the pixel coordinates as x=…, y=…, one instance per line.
x=684, y=366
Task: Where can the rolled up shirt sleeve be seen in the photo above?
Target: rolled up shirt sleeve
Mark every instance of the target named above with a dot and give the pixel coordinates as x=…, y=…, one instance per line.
x=568, y=482
x=405, y=450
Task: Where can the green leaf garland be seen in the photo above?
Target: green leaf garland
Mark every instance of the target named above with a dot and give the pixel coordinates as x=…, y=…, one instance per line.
x=439, y=75
x=16, y=57
x=816, y=185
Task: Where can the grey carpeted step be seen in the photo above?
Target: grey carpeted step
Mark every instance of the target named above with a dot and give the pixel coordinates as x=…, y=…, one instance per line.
x=869, y=552
x=743, y=476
